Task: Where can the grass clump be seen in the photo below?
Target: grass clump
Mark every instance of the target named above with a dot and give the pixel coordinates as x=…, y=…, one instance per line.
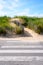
x=4, y=25
x=18, y=30
x=2, y=31
x=33, y=23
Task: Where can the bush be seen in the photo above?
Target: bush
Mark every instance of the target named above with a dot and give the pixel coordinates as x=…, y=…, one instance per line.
x=2, y=31
x=18, y=30
x=5, y=25
x=40, y=29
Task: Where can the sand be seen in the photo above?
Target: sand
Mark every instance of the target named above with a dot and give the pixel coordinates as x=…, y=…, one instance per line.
x=31, y=36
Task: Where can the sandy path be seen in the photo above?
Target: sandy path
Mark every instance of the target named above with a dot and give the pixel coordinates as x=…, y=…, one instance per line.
x=34, y=36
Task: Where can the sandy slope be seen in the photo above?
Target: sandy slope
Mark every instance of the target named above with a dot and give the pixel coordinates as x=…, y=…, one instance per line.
x=33, y=36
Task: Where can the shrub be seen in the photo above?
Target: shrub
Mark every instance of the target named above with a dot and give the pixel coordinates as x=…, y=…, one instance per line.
x=2, y=31
x=18, y=30
x=40, y=29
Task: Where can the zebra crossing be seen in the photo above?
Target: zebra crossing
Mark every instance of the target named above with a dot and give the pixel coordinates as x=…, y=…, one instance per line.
x=21, y=53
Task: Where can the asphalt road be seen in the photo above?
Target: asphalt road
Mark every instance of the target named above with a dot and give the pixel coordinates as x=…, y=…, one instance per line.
x=14, y=52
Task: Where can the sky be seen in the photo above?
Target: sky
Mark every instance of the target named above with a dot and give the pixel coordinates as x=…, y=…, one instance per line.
x=21, y=8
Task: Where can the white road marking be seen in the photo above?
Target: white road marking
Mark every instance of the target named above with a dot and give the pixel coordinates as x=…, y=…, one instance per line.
x=21, y=51
x=23, y=41
x=20, y=58
x=36, y=41
x=30, y=46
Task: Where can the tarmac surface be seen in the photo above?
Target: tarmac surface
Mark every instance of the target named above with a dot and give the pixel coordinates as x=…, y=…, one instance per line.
x=16, y=52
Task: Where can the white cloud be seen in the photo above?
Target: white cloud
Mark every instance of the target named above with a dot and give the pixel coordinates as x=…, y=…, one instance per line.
x=2, y=13
x=12, y=5
x=1, y=7
x=24, y=12
x=2, y=2
x=16, y=0
x=5, y=5
x=15, y=4
x=35, y=15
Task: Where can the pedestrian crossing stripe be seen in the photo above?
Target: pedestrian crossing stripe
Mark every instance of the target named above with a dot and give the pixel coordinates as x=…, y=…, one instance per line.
x=21, y=58
x=21, y=51
x=30, y=46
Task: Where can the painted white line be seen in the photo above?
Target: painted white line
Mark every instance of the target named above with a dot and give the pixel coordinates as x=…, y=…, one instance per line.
x=21, y=51
x=30, y=46
x=24, y=42
x=20, y=58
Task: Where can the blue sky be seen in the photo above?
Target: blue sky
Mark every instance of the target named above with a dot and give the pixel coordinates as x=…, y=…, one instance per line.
x=21, y=7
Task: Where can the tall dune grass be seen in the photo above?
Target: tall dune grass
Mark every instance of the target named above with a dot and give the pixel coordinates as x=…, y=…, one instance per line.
x=33, y=23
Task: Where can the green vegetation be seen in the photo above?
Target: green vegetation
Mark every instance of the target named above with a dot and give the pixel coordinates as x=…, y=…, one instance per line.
x=33, y=23
x=6, y=27
x=4, y=24
x=18, y=29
